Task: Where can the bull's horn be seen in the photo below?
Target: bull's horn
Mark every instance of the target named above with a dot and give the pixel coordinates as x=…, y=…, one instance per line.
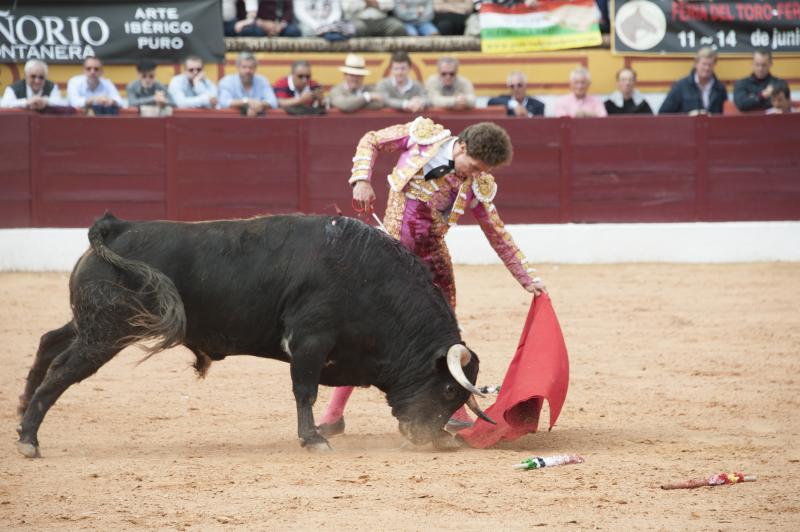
x=458, y=356
x=473, y=405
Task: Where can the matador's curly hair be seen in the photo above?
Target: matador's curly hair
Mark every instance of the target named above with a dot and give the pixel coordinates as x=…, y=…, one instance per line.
x=488, y=143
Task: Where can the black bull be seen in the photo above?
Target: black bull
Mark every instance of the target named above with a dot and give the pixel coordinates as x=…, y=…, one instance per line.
x=341, y=302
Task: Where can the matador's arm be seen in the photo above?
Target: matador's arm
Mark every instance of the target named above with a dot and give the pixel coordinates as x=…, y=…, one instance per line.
x=500, y=239
x=393, y=138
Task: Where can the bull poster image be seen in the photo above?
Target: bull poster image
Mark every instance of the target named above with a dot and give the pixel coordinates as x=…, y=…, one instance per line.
x=511, y=27
x=683, y=27
x=115, y=31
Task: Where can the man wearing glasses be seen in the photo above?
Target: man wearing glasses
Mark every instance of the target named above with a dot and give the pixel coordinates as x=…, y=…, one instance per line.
x=297, y=93
x=35, y=92
x=148, y=94
x=518, y=103
x=448, y=90
x=92, y=92
x=191, y=89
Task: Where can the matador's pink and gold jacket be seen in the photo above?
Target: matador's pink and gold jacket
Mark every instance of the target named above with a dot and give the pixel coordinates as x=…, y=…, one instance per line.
x=447, y=197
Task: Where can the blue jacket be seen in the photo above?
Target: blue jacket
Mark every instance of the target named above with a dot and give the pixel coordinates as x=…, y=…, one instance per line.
x=685, y=96
x=534, y=106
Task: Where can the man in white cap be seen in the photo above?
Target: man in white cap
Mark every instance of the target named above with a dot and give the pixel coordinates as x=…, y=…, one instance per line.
x=352, y=95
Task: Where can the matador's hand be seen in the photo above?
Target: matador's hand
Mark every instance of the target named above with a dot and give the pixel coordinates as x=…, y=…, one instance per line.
x=536, y=287
x=363, y=195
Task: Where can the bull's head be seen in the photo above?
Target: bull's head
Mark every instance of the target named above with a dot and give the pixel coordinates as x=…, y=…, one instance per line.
x=423, y=416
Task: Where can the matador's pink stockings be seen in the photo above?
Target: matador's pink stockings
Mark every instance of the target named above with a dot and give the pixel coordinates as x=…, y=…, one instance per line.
x=335, y=409
x=341, y=395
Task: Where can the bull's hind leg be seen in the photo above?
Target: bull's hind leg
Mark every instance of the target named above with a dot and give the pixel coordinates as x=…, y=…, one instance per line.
x=102, y=312
x=308, y=357
x=73, y=365
x=51, y=345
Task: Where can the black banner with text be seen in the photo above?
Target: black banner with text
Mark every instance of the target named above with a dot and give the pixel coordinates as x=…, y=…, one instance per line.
x=669, y=26
x=114, y=31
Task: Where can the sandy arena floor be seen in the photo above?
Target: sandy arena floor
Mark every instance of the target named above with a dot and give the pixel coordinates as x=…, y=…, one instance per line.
x=677, y=372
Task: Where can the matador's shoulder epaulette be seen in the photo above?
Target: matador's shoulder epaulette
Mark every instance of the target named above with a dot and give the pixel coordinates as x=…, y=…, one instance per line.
x=484, y=188
x=424, y=131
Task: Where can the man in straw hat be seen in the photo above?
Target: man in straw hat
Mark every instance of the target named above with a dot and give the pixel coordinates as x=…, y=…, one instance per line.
x=352, y=95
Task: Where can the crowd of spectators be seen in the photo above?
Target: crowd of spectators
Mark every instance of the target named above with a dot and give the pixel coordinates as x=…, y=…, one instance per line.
x=252, y=94
x=340, y=19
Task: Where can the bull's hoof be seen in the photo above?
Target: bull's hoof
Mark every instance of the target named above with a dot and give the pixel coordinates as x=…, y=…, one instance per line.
x=329, y=430
x=319, y=447
x=28, y=450
x=316, y=444
x=446, y=442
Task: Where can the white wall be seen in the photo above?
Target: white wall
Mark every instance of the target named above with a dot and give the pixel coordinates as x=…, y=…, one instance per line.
x=58, y=249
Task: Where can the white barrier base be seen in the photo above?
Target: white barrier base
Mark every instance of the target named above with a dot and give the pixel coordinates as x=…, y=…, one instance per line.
x=59, y=249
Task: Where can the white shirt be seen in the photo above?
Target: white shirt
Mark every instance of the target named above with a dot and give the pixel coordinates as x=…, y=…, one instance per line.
x=295, y=92
x=442, y=157
x=10, y=100
x=190, y=95
x=705, y=91
x=78, y=91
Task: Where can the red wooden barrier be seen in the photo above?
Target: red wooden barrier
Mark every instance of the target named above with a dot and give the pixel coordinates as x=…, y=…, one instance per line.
x=58, y=171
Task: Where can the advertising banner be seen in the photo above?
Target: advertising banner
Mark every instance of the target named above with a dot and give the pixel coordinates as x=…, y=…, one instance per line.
x=116, y=32
x=549, y=25
x=665, y=26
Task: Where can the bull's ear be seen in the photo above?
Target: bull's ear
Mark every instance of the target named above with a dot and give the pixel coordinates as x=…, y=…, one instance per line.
x=440, y=360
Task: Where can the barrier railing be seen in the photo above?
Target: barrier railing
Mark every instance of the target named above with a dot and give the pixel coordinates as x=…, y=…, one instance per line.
x=65, y=171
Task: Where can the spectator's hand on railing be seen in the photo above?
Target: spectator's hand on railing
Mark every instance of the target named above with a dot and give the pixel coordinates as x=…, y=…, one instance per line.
x=37, y=103
x=160, y=97
x=521, y=110
x=254, y=107
x=415, y=104
x=306, y=98
x=99, y=100
x=212, y=101
x=461, y=102
x=318, y=94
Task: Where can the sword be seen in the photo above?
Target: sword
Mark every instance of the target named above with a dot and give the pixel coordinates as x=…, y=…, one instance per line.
x=380, y=225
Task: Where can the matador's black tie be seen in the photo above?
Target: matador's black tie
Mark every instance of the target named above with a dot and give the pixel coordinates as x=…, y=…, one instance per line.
x=440, y=171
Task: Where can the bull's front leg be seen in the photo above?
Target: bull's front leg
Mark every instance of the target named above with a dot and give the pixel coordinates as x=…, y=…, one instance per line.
x=308, y=358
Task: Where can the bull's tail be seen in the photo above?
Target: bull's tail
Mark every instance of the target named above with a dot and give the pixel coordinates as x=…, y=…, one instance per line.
x=158, y=308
